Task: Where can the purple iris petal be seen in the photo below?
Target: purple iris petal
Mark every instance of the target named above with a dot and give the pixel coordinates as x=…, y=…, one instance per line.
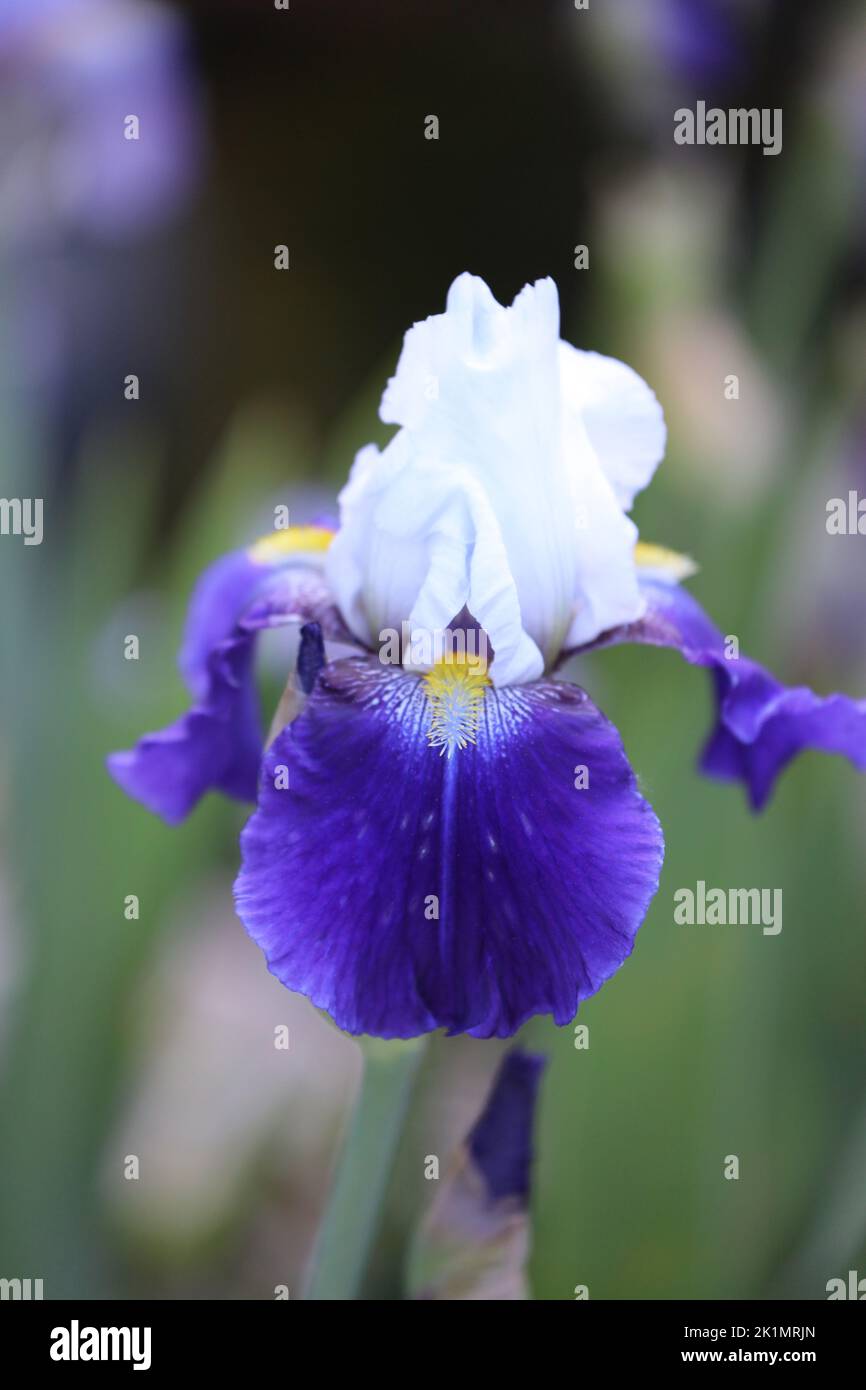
x=501, y=1142
x=219, y=598
x=225, y=592
x=403, y=890
x=217, y=745
x=761, y=724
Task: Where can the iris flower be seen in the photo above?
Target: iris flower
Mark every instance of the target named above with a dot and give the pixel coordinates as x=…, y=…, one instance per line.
x=461, y=843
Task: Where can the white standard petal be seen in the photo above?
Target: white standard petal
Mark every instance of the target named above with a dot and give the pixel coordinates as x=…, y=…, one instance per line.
x=620, y=414
x=478, y=388
x=504, y=489
x=418, y=543
x=466, y=564
x=372, y=577
x=606, y=585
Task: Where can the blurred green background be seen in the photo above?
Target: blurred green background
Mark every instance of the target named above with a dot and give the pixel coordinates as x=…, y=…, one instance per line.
x=154, y=1037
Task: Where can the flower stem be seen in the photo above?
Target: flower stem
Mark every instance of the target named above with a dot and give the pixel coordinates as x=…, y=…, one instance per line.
x=352, y=1212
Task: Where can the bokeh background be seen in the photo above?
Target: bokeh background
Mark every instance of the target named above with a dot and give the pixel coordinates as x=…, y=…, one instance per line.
x=154, y=1037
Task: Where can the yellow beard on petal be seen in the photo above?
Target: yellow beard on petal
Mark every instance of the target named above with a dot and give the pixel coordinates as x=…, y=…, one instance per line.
x=455, y=689
x=300, y=540
x=669, y=562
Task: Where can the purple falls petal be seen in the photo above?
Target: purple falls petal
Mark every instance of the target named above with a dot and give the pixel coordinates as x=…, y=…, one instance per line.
x=228, y=588
x=403, y=891
x=217, y=744
x=761, y=724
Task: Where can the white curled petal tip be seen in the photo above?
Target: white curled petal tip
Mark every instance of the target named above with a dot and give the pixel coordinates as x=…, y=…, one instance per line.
x=621, y=415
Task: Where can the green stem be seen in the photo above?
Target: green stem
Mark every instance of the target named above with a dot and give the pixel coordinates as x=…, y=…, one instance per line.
x=352, y=1213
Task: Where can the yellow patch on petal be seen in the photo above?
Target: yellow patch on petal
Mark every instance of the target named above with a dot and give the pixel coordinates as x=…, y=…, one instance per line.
x=669, y=562
x=455, y=689
x=293, y=540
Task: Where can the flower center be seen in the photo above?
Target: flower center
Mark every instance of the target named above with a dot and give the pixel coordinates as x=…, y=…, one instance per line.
x=455, y=689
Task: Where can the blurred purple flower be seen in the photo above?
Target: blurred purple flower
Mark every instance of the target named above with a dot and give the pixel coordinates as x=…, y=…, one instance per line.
x=699, y=39
x=73, y=71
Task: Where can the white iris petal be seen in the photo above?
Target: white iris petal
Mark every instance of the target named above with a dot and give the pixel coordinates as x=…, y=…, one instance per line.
x=504, y=489
x=620, y=414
